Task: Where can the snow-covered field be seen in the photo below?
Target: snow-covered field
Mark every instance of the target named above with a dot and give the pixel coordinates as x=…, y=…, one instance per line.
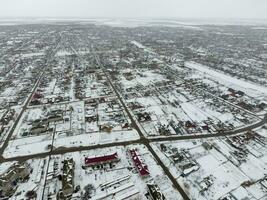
x=249, y=88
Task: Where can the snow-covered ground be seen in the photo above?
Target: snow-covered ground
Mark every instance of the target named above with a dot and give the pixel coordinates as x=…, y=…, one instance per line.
x=219, y=164
x=229, y=81
x=119, y=179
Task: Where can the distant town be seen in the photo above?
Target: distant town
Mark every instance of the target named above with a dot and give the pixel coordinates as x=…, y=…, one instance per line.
x=151, y=111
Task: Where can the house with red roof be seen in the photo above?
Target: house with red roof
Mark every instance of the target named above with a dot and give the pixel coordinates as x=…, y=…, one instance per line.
x=139, y=165
x=101, y=160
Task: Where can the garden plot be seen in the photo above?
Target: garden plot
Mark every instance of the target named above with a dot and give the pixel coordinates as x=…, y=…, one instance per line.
x=141, y=77
x=219, y=173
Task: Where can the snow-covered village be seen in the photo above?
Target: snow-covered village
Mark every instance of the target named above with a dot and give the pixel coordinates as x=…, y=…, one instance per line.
x=133, y=109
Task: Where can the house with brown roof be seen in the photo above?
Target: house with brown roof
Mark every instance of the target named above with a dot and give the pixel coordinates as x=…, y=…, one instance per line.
x=68, y=177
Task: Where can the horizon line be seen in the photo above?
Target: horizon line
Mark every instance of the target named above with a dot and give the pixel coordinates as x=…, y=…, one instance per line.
x=123, y=17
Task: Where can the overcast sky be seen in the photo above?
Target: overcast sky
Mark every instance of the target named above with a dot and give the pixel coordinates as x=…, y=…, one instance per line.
x=135, y=8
